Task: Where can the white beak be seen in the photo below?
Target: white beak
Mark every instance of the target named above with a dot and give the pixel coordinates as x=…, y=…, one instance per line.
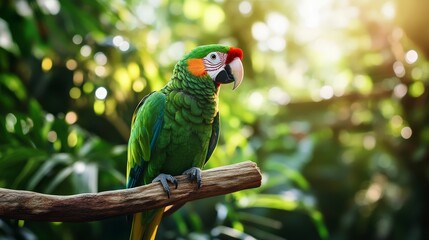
x=237, y=71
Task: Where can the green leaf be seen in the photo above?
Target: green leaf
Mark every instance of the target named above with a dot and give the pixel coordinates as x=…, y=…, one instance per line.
x=268, y=201
x=59, y=178
x=46, y=168
x=14, y=85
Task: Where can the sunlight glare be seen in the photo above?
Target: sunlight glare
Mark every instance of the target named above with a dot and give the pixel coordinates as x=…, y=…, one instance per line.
x=326, y=92
x=276, y=44
x=277, y=23
x=256, y=99
x=260, y=31
x=388, y=10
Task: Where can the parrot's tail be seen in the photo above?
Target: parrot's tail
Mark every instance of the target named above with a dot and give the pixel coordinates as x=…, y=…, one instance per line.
x=140, y=231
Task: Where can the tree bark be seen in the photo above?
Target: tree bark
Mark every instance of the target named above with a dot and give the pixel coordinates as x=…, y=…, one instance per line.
x=26, y=205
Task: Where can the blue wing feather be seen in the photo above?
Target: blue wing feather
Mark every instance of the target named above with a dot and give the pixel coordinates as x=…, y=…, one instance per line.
x=214, y=137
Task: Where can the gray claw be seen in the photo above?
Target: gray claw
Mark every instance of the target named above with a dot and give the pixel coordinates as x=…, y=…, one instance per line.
x=164, y=179
x=194, y=174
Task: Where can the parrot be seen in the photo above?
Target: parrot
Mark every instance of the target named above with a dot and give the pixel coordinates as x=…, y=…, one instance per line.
x=175, y=130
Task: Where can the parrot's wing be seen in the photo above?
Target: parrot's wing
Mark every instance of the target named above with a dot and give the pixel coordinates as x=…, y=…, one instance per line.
x=145, y=127
x=214, y=137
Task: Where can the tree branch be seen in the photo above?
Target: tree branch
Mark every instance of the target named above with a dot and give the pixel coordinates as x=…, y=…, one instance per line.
x=34, y=206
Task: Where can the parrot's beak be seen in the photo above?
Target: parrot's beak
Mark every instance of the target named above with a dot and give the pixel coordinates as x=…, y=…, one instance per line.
x=233, y=72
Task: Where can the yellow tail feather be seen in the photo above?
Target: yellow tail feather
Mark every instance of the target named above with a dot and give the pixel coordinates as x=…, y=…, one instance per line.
x=141, y=231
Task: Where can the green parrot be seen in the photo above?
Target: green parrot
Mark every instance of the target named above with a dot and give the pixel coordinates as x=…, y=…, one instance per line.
x=175, y=130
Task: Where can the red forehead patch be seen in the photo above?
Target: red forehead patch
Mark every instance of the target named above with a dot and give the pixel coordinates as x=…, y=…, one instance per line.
x=233, y=53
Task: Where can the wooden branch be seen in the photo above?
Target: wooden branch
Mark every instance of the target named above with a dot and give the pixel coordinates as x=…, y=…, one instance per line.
x=26, y=205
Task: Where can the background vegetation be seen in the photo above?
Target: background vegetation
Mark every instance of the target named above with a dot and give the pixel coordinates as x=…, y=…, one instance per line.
x=333, y=108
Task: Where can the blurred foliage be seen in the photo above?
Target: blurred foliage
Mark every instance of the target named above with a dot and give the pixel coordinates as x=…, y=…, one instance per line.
x=333, y=108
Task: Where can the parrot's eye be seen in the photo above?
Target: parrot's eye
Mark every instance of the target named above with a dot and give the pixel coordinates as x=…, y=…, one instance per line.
x=214, y=61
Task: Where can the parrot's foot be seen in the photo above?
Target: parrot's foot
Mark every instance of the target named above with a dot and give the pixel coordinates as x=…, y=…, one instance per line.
x=194, y=174
x=164, y=179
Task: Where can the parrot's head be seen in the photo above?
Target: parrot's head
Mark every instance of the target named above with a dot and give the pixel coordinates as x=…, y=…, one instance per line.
x=218, y=63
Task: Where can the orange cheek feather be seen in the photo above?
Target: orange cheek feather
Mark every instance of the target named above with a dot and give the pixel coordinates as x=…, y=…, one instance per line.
x=196, y=67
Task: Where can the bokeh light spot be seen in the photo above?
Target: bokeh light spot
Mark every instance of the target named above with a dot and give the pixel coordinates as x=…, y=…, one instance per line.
x=117, y=40
x=388, y=10
x=71, y=64
x=52, y=136
x=326, y=92
x=101, y=93
x=276, y=44
x=46, y=64
x=71, y=117
x=72, y=139
x=138, y=86
x=133, y=70
x=369, y=142
x=78, y=78
x=75, y=93
x=88, y=87
x=100, y=71
x=213, y=17
x=260, y=31
x=406, y=132
x=245, y=7
x=417, y=89
x=417, y=73
x=193, y=9
x=396, y=121
x=125, y=46
x=256, y=99
x=400, y=90
x=85, y=50
x=99, y=107
x=277, y=23
x=399, y=69
x=100, y=58
x=411, y=56
x=77, y=39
